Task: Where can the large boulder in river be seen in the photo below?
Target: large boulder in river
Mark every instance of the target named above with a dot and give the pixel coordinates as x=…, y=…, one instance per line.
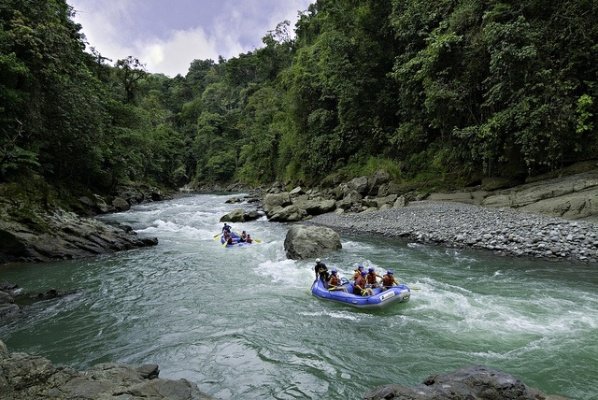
x=477, y=382
x=26, y=377
x=240, y=215
x=304, y=242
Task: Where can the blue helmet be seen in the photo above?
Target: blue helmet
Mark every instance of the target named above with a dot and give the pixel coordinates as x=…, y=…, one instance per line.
x=390, y=272
x=370, y=269
x=333, y=272
x=360, y=267
x=363, y=273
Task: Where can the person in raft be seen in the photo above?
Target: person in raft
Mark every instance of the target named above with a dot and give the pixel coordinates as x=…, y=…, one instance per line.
x=226, y=228
x=389, y=280
x=334, y=283
x=322, y=271
x=359, y=286
x=371, y=279
x=357, y=272
x=229, y=240
x=248, y=239
x=243, y=237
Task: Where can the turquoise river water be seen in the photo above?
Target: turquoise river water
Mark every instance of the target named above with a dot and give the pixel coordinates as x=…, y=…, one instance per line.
x=241, y=322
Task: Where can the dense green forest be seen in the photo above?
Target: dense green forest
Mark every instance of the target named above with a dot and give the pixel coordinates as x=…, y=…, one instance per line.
x=446, y=90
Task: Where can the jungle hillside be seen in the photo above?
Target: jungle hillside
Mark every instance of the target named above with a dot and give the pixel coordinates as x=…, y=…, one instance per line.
x=434, y=92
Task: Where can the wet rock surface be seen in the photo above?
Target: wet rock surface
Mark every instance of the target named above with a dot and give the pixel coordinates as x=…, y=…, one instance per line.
x=28, y=377
x=304, y=242
x=476, y=382
x=60, y=235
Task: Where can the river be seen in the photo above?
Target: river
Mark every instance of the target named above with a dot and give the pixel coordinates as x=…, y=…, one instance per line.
x=241, y=323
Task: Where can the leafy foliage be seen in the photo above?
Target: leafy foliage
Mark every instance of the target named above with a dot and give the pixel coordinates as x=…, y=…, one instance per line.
x=426, y=90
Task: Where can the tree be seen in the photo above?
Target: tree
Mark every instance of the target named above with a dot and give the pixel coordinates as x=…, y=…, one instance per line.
x=131, y=71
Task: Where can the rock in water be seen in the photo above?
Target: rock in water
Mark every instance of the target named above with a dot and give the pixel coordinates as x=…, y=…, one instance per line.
x=304, y=242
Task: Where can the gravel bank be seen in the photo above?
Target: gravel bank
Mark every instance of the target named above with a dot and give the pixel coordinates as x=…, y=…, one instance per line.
x=504, y=231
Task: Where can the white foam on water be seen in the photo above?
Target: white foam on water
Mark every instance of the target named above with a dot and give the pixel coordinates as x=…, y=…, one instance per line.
x=334, y=314
x=166, y=228
x=356, y=246
x=286, y=272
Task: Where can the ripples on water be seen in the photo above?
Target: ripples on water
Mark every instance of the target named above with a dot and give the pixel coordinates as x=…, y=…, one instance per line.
x=241, y=322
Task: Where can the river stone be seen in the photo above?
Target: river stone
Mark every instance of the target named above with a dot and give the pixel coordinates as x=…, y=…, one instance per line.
x=120, y=204
x=360, y=185
x=276, y=201
x=236, y=215
x=304, y=242
x=290, y=213
x=475, y=382
x=27, y=377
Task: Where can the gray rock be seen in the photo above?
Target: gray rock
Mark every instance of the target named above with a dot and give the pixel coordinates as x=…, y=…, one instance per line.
x=276, y=201
x=233, y=200
x=296, y=192
x=25, y=377
x=236, y=215
x=476, y=382
x=302, y=242
x=572, y=197
x=63, y=235
x=317, y=207
x=360, y=185
x=290, y=213
x=120, y=204
x=400, y=202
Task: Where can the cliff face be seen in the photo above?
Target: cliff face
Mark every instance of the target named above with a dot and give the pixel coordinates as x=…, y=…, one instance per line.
x=570, y=197
x=36, y=226
x=60, y=234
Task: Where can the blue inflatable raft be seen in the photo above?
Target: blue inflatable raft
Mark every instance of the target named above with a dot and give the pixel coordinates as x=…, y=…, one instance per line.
x=236, y=240
x=234, y=235
x=380, y=298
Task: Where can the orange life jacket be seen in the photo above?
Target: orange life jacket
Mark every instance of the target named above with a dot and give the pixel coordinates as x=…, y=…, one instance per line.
x=388, y=280
x=334, y=281
x=360, y=281
x=370, y=278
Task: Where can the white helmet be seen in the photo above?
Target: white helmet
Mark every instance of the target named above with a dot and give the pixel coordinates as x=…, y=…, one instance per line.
x=318, y=260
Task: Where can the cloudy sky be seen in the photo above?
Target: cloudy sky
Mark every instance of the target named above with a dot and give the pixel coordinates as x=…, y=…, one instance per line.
x=166, y=35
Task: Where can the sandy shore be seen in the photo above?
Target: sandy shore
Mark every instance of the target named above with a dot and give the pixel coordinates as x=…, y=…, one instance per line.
x=504, y=231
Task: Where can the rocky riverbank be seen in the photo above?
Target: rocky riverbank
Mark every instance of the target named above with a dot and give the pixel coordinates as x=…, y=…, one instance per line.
x=29, y=377
x=504, y=231
x=35, y=226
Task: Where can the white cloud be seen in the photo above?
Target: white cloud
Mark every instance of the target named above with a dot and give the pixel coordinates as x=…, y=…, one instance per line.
x=110, y=28
x=174, y=54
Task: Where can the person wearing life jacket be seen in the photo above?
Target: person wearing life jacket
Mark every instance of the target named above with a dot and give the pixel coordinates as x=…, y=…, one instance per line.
x=226, y=228
x=243, y=237
x=357, y=272
x=334, y=283
x=359, y=286
x=371, y=279
x=321, y=271
x=248, y=239
x=229, y=240
x=389, y=280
